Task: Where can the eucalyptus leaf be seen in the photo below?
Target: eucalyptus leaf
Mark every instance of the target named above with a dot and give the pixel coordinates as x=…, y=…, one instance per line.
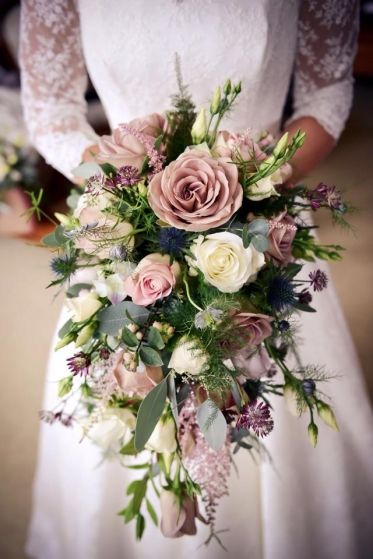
x=172, y=397
x=56, y=238
x=65, y=328
x=129, y=338
x=150, y=356
x=75, y=289
x=212, y=423
x=108, y=169
x=149, y=413
x=115, y=317
x=260, y=243
x=87, y=170
x=258, y=227
x=155, y=339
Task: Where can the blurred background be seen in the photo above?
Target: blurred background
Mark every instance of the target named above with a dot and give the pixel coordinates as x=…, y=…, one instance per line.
x=28, y=312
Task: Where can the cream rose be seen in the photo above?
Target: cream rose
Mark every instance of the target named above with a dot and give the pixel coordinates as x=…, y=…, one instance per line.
x=163, y=438
x=186, y=358
x=83, y=306
x=224, y=261
x=113, y=430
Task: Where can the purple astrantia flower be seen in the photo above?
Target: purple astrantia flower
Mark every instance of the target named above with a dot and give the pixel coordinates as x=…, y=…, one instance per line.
x=125, y=176
x=79, y=363
x=324, y=195
x=319, y=280
x=51, y=417
x=256, y=416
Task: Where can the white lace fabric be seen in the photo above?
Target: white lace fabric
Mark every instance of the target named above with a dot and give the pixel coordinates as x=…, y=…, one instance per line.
x=129, y=47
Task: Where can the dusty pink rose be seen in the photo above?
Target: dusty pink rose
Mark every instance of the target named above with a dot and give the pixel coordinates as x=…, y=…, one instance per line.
x=280, y=237
x=253, y=364
x=135, y=383
x=196, y=192
x=228, y=145
x=178, y=519
x=122, y=148
x=153, y=279
x=253, y=328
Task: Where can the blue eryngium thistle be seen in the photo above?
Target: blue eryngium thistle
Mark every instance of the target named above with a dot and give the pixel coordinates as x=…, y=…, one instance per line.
x=281, y=293
x=63, y=266
x=172, y=240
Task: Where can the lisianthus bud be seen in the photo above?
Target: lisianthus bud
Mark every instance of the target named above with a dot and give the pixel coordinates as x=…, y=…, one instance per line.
x=215, y=103
x=199, y=129
x=66, y=340
x=238, y=88
x=85, y=334
x=312, y=433
x=281, y=144
x=227, y=87
x=327, y=415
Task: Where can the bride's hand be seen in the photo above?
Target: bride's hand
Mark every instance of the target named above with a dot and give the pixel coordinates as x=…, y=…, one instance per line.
x=317, y=146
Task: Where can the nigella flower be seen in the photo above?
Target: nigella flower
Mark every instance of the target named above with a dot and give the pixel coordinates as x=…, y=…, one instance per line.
x=309, y=386
x=208, y=317
x=63, y=265
x=79, y=363
x=281, y=293
x=172, y=240
x=256, y=416
x=325, y=195
x=319, y=280
x=119, y=252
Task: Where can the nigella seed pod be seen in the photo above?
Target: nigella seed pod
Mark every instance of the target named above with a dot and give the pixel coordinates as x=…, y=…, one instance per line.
x=283, y=325
x=309, y=386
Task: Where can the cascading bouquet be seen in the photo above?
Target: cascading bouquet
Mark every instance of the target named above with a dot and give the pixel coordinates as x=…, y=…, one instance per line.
x=182, y=261
x=17, y=165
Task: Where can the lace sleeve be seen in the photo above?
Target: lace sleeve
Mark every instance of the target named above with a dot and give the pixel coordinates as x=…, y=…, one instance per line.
x=327, y=41
x=54, y=82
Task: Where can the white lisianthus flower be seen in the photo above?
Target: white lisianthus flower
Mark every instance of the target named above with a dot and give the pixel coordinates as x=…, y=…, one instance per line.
x=111, y=287
x=224, y=261
x=163, y=438
x=83, y=306
x=186, y=358
x=114, y=430
x=265, y=187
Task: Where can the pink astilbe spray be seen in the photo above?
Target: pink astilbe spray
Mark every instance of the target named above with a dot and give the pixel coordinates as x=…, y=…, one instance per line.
x=207, y=467
x=156, y=159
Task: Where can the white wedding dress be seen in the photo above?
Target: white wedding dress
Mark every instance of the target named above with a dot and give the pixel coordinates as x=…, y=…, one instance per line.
x=312, y=503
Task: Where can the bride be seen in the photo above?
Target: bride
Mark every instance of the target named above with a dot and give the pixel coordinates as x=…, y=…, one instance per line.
x=311, y=503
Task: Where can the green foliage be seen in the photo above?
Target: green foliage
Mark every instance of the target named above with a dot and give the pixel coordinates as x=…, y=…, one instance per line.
x=113, y=318
x=65, y=386
x=150, y=356
x=150, y=411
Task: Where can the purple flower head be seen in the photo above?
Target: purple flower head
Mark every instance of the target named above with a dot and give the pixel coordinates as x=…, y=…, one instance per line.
x=79, y=363
x=324, y=195
x=256, y=416
x=319, y=280
x=125, y=176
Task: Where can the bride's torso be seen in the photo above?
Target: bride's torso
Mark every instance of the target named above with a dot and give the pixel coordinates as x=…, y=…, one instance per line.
x=130, y=49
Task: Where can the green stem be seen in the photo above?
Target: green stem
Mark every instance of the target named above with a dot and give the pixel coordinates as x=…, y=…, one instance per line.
x=188, y=295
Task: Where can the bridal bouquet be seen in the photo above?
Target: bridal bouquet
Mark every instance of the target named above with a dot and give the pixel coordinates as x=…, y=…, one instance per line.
x=182, y=262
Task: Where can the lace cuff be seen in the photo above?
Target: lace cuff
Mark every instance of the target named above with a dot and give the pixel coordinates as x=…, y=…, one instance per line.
x=54, y=82
x=327, y=42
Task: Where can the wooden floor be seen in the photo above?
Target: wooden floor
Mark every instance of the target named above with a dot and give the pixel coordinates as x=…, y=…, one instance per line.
x=29, y=312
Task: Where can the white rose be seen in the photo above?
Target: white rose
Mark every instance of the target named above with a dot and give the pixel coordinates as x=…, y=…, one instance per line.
x=225, y=262
x=114, y=430
x=163, y=438
x=186, y=358
x=265, y=187
x=83, y=306
x=111, y=287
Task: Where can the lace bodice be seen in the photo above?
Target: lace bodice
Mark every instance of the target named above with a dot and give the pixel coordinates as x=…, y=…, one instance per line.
x=128, y=49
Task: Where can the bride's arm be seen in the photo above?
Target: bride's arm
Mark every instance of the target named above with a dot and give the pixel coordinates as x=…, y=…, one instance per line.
x=323, y=83
x=54, y=82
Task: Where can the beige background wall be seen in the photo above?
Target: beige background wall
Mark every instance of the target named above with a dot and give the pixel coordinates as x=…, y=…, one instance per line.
x=28, y=314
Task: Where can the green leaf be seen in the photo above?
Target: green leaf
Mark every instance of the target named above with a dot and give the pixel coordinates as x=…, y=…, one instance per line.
x=212, y=423
x=155, y=339
x=172, y=397
x=260, y=243
x=246, y=236
x=151, y=511
x=73, y=199
x=108, y=169
x=75, y=289
x=149, y=413
x=129, y=448
x=56, y=238
x=65, y=328
x=132, y=487
x=292, y=270
x=305, y=308
x=150, y=356
x=86, y=170
x=113, y=318
x=140, y=526
x=65, y=386
x=139, y=494
x=129, y=338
